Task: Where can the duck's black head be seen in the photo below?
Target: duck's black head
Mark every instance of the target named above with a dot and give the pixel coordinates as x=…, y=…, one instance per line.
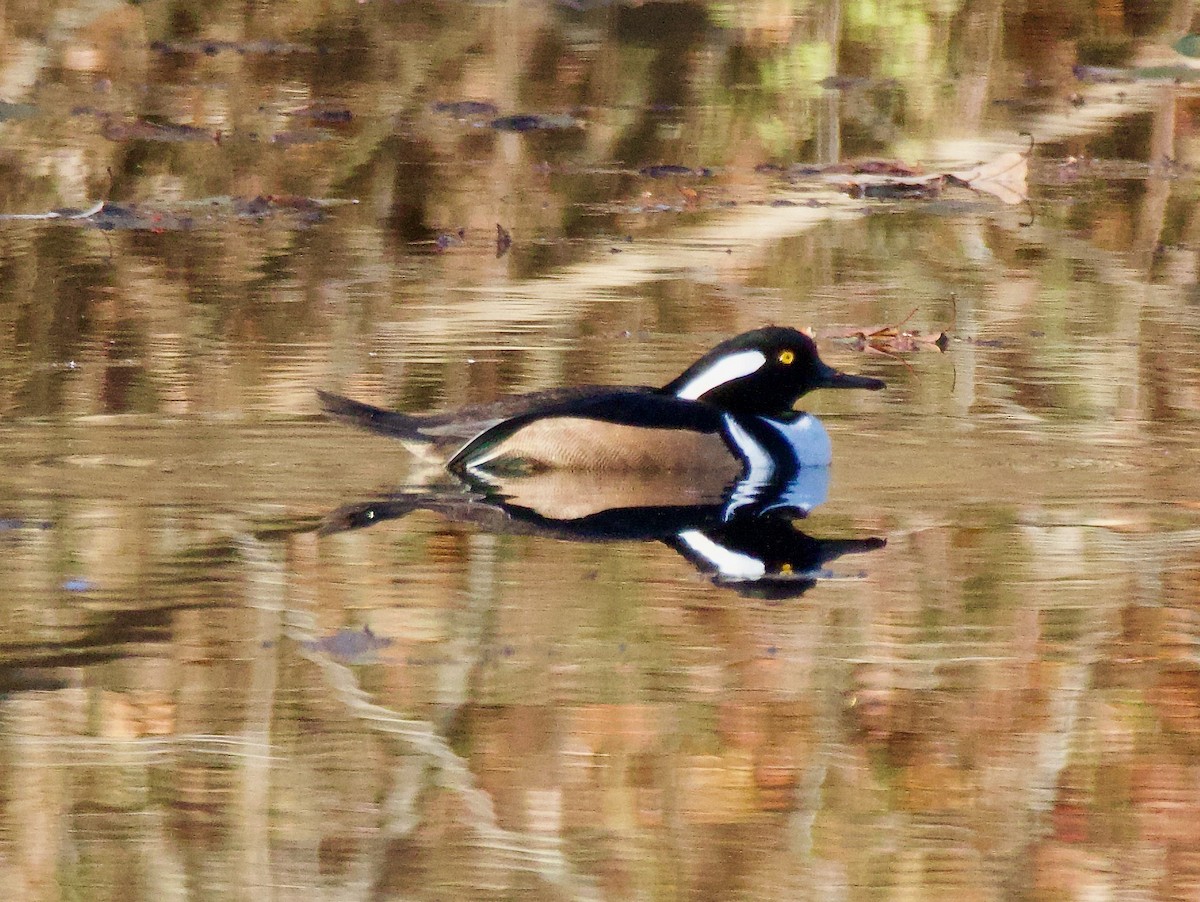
x=762, y=372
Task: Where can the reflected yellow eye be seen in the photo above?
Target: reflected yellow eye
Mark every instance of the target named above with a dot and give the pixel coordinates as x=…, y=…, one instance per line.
x=787, y=356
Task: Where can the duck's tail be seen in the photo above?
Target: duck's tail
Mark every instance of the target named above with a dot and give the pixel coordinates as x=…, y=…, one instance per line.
x=368, y=513
x=386, y=422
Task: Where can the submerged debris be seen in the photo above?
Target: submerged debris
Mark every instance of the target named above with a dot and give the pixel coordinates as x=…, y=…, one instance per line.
x=503, y=241
x=881, y=167
x=350, y=646
x=528, y=122
x=1101, y=74
x=323, y=120
x=148, y=130
x=466, y=109
x=322, y=114
x=895, y=187
x=1178, y=74
x=110, y=216
x=447, y=240
x=11, y=111
x=9, y=524
x=298, y=136
x=671, y=170
x=212, y=48
x=854, y=82
x=849, y=167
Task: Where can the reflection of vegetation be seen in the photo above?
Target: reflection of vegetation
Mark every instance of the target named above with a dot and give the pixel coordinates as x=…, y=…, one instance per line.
x=645, y=723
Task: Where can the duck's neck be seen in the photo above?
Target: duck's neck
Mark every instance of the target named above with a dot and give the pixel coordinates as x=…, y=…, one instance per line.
x=795, y=439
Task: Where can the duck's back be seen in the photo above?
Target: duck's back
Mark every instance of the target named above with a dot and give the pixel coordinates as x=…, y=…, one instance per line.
x=441, y=434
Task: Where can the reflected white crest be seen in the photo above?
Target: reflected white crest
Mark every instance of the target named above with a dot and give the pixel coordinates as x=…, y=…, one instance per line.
x=726, y=369
x=730, y=564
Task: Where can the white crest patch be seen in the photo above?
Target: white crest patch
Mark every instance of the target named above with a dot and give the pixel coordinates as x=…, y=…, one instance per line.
x=730, y=564
x=726, y=369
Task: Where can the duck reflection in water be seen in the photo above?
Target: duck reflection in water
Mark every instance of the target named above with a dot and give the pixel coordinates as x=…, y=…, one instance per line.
x=742, y=532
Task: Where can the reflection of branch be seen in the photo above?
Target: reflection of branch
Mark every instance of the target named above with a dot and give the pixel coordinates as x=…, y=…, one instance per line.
x=1152, y=211
x=511, y=847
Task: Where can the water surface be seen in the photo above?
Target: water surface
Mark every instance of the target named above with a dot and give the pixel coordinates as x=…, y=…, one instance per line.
x=205, y=695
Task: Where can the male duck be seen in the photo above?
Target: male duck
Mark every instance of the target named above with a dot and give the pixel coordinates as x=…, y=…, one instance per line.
x=730, y=411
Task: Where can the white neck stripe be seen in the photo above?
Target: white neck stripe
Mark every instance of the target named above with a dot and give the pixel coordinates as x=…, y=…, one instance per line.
x=759, y=467
x=726, y=369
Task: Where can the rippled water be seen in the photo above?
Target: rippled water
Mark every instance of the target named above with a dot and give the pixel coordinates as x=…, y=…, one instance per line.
x=211, y=689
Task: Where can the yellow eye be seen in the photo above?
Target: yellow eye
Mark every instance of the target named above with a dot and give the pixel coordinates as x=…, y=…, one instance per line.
x=786, y=357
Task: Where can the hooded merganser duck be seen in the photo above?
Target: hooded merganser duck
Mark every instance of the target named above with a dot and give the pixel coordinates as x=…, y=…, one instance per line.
x=727, y=411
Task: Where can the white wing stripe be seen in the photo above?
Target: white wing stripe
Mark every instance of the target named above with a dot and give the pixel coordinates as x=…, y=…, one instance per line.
x=735, y=366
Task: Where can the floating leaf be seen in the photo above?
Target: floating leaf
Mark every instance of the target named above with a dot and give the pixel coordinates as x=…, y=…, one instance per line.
x=1004, y=177
x=892, y=339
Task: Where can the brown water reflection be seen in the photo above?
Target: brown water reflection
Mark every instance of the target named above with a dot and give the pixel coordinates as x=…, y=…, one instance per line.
x=205, y=697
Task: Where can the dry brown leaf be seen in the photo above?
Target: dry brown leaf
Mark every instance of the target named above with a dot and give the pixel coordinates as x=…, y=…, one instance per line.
x=1004, y=177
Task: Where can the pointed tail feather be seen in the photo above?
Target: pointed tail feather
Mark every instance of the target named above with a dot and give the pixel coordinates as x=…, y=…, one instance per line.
x=376, y=419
